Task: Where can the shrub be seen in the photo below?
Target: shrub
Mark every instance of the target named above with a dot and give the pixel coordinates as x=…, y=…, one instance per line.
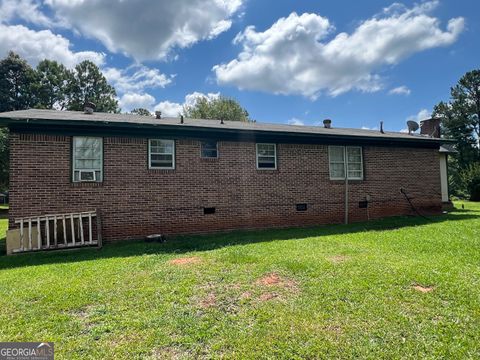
x=470, y=178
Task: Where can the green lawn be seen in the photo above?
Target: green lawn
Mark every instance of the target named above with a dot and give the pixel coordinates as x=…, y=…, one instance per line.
x=324, y=292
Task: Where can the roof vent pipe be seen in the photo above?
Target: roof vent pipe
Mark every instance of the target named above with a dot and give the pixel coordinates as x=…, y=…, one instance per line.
x=88, y=107
x=181, y=119
x=381, y=127
x=158, y=114
x=327, y=123
x=221, y=122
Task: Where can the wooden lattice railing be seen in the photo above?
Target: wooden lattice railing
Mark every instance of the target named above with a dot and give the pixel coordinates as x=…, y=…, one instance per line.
x=59, y=231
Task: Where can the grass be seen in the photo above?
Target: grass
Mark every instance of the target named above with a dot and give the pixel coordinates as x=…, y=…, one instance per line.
x=325, y=292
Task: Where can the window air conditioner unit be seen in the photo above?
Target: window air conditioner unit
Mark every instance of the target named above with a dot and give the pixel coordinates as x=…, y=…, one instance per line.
x=87, y=175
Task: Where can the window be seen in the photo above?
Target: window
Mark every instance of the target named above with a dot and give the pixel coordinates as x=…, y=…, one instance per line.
x=161, y=154
x=354, y=163
x=266, y=156
x=87, y=159
x=209, y=149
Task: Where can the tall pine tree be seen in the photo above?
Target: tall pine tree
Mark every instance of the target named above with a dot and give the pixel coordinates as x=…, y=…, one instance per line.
x=461, y=121
x=89, y=84
x=17, y=80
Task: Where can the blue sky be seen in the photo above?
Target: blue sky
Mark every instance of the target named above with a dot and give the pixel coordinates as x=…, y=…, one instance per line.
x=285, y=61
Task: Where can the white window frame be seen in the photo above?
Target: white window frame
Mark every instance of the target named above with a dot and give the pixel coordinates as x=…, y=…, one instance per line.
x=74, y=169
x=275, y=156
x=150, y=155
x=208, y=157
x=345, y=162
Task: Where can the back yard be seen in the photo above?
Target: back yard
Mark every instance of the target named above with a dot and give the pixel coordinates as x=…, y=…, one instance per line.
x=403, y=287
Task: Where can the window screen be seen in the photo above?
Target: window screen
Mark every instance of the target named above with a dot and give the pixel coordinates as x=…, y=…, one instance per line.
x=87, y=159
x=266, y=156
x=209, y=149
x=337, y=162
x=161, y=154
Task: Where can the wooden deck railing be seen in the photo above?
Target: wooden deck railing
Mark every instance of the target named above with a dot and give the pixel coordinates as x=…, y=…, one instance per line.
x=59, y=231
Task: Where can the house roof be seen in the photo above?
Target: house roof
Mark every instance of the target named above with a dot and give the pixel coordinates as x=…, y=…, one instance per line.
x=34, y=119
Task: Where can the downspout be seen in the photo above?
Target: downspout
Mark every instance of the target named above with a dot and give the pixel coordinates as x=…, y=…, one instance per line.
x=448, y=184
x=346, y=183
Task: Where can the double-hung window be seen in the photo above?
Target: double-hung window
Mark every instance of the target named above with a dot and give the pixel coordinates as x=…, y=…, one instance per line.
x=87, y=159
x=209, y=149
x=266, y=156
x=161, y=154
x=353, y=164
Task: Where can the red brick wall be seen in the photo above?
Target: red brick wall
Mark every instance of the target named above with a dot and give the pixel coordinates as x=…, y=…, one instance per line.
x=136, y=201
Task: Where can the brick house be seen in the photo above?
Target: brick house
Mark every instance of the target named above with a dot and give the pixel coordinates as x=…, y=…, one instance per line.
x=173, y=176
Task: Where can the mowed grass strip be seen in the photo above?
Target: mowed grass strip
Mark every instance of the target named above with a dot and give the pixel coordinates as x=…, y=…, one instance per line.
x=396, y=288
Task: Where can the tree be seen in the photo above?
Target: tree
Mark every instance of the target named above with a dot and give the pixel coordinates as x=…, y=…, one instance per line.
x=51, y=85
x=16, y=93
x=89, y=84
x=141, y=111
x=470, y=178
x=220, y=108
x=16, y=83
x=461, y=121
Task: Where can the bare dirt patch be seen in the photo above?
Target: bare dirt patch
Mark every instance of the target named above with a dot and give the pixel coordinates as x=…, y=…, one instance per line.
x=423, y=289
x=284, y=287
x=270, y=279
x=209, y=301
x=268, y=296
x=169, y=352
x=230, y=297
x=246, y=295
x=185, y=261
x=89, y=317
x=338, y=259
x=83, y=314
x=274, y=279
x=334, y=329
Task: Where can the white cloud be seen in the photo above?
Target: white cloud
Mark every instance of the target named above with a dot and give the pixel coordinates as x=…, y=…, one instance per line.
x=422, y=115
x=173, y=109
x=136, y=78
x=169, y=109
x=146, y=29
x=131, y=101
x=28, y=10
x=35, y=46
x=400, y=90
x=295, y=121
x=369, y=128
x=294, y=55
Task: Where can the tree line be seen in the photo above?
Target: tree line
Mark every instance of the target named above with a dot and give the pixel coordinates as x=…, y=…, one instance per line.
x=460, y=120
x=53, y=86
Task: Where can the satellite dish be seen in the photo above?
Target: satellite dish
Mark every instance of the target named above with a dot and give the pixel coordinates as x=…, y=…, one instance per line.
x=412, y=126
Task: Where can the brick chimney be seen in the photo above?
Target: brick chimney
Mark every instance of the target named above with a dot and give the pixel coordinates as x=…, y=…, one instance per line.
x=430, y=127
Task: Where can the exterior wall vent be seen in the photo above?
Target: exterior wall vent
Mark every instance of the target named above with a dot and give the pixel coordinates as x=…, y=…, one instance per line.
x=301, y=207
